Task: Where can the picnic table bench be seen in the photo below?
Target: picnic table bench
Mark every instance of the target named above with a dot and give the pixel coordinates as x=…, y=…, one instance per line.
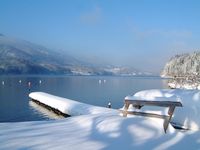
x=137, y=104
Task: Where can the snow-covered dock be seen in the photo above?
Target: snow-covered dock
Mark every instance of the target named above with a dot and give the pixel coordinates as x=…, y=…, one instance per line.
x=98, y=128
x=67, y=106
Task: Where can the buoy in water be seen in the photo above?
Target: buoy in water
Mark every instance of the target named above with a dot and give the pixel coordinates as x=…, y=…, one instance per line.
x=40, y=82
x=3, y=83
x=20, y=81
x=104, y=81
x=99, y=81
x=29, y=86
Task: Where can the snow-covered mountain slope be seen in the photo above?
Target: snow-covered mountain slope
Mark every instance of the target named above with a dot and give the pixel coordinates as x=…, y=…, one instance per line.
x=23, y=57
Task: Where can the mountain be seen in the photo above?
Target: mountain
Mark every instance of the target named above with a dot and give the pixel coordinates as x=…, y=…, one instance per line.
x=23, y=57
x=182, y=65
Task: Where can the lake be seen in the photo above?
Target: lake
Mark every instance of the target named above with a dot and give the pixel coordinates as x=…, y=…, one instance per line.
x=15, y=105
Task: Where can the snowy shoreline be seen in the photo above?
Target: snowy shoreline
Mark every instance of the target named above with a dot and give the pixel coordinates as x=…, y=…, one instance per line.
x=189, y=86
x=93, y=127
x=187, y=82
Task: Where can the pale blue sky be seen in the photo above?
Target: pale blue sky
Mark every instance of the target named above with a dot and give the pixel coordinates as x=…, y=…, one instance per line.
x=139, y=33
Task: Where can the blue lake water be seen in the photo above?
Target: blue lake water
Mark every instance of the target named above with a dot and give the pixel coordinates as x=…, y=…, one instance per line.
x=96, y=90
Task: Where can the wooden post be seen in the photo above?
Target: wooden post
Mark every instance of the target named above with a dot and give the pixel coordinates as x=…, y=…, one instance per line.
x=126, y=106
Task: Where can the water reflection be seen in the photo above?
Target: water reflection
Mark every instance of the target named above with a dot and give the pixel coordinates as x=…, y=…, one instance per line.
x=40, y=110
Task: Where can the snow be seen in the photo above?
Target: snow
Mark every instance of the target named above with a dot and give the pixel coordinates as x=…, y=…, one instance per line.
x=88, y=132
x=102, y=128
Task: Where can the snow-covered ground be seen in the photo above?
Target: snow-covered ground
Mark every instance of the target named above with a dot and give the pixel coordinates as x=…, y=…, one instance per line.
x=104, y=128
x=94, y=132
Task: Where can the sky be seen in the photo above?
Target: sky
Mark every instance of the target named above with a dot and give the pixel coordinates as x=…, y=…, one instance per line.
x=142, y=34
